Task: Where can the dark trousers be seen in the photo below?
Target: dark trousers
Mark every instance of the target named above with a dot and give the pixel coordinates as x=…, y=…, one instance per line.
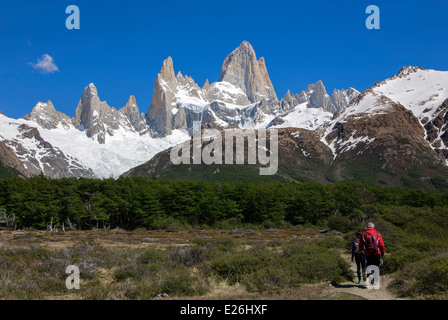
x=373, y=260
x=360, y=260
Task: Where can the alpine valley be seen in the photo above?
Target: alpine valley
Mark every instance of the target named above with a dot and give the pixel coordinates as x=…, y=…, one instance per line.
x=394, y=133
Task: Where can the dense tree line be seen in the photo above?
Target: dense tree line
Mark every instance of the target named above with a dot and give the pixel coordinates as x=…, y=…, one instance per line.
x=139, y=202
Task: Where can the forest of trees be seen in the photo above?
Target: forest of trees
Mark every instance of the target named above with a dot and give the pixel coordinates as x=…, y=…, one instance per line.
x=129, y=203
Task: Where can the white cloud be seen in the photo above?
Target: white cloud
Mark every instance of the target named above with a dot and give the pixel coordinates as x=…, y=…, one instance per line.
x=45, y=64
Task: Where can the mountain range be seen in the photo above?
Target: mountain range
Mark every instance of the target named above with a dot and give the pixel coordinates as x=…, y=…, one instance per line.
x=394, y=133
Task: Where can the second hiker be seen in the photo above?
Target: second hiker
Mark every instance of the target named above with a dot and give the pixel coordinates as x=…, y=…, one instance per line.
x=358, y=256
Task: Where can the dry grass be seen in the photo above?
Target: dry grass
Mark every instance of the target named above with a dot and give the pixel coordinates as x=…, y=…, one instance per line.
x=119, y=238
x=117, y=264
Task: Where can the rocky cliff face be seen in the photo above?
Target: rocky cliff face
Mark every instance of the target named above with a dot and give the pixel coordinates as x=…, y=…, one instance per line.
x=437, y=129
x=242, y=69
x=136, y=119
x=288, y=102
x=98, y=120
x=9, y=159
x=316, y=95
x=94, y=116
x=178, y=101
x=243, y=97
x=391, y=133
x=160, y=112
x=340, y=99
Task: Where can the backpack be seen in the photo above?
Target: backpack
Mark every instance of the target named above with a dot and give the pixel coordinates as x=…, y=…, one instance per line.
x=371, y=244
x=355, y=245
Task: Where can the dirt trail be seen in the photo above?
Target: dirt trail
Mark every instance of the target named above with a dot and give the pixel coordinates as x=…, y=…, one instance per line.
x=353, y=290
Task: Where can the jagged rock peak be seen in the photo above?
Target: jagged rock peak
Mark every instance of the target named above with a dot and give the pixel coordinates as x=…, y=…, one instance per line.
x=131, y=106
x=89, y=99
x=45, y=115
x=42, y=106
x=40, y=109
x=242, y=69
x=92, y=114
x=316, y=94
x=407, y=70
x=342, y=98
x=91, y=91
x=288, y=102
x=317, y=87
x=159, y=113
x=132, y=113
x=131, y=101
x=287, y=97
x=246, y=47
x=167, y=71
x=320, y=84
x=318, y=97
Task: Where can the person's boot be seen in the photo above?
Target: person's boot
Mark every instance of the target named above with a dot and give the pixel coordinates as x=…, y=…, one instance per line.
x=364, y=276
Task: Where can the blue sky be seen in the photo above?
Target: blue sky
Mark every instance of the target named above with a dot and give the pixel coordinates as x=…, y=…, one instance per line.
x=121, y=45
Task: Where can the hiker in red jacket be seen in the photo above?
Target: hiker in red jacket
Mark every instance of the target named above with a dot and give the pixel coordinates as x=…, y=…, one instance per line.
x=371, y=243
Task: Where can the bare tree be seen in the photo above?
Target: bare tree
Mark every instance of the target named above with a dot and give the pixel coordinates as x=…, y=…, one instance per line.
x=50, y=225
x=10, y=220
x=69, y=223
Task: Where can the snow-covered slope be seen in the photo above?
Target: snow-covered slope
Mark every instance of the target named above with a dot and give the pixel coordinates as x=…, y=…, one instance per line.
x=121, y=152
x=420, y=90
x=36, y=153
x=423, y=92
x=302, y=116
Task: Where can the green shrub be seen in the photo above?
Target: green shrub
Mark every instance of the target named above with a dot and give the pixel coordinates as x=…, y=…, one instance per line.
x=423, y=278
x=316, y=264
x=189, y=256
x=181, y=283
x=402, y=257
x=173, y=282
x=217, y=244
x=163, y=222
x=435, y=280
x=342, y=224
x=272, y=278
x=331, y=242
x=234, y=267
x=151, y=256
